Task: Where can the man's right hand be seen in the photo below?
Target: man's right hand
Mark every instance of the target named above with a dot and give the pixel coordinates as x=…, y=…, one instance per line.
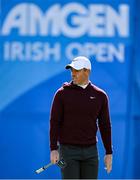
x=54, y=156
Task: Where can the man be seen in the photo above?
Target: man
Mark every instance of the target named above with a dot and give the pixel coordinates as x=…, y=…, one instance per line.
x=78, y=109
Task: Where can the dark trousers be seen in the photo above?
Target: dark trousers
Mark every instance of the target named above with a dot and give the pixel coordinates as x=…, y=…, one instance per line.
x=82, y=162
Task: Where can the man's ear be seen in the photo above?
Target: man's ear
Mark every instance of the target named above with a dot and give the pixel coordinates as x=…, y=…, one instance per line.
x=87, y=71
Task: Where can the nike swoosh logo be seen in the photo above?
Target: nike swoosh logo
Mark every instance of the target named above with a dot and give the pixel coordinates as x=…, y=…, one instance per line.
x=92, y=97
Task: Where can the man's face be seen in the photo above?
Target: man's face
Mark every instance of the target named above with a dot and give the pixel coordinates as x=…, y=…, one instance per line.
x=79, y=76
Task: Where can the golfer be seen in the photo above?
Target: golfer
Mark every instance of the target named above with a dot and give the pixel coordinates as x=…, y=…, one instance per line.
x=78, y=109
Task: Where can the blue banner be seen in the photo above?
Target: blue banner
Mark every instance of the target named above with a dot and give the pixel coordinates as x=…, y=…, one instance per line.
x=38, y=38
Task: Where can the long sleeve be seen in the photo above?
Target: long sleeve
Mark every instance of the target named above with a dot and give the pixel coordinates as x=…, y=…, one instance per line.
x=105, y=126
x=56, y=116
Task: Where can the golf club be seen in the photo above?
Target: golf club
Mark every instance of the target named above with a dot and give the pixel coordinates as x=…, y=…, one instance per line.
x=61, y=163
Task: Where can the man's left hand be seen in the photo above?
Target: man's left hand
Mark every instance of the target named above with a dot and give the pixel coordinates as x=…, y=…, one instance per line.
x=108, y=162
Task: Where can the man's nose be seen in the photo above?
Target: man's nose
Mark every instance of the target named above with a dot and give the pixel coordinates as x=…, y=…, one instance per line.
x=73, y=73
